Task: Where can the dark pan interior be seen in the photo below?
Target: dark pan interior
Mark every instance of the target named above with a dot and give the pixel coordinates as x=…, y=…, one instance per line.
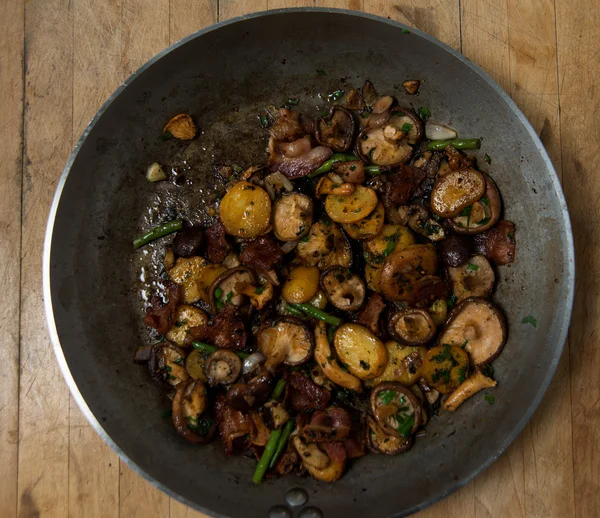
x=224, y=76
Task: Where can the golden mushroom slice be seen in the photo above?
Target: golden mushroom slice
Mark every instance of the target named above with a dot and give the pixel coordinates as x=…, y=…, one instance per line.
x=288, y=340
x=482, y=215
x=344, y=289
x=475, y=278
x=477, y=325
x=455, y=191
x=181, y=126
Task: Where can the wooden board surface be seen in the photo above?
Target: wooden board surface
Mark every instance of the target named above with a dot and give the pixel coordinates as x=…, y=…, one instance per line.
x=60, y=59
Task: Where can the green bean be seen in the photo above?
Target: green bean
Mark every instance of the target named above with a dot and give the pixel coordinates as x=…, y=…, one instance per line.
x=458, y=143
x=373, y=170
x=279, y=388
x=311, y=311
x=328, y=164
x=293, y=311
x=265, y=459
x=207, y=348
x=156, y=232
x=283, y=440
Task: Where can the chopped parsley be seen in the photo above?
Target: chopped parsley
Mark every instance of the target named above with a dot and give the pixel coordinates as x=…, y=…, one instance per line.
x=293, y=101
x=335, y=96
x=488, y=158
x=489, y=398
x=451, y=301
x=405, y=31
x=424, y=113
x=441, y=374
x=305, y=239
x=387, y=396
x=485, y=201
x=264, y=121
x=529, y=320
x=472, y=267
x=488, y=370
x=259, y=290
x=229, y=297
x=461, y=374
x=320, y=72
x=406, y=127
x=405, y=426
x=200, y=426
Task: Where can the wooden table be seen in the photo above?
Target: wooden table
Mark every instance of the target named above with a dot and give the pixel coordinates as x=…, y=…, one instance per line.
x=60, y=59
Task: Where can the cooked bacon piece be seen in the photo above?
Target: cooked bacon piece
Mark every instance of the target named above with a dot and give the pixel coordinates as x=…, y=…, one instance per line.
x=159, y=315
x=498, y=243
x=401, y=186
x=298, y=158
x=262, y=254
x=232, y=424
x=331, y=424
x=303, y=394
x=227, y=329
x=217, y=246
x=354, y=446
x=335, y=451
x=370, y=313
x=287, y=126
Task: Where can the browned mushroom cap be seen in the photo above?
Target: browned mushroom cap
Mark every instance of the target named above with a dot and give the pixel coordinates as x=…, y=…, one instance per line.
x=477, y=325
x=292, y=216
x=475, y=278
x=189, y=405
x=384, y=144
x=188, y=241
x=404, y=268
x=222, y=367
x=481, y=215
x=336, y=131
x=166, y=364
x=350, y=172
x=288, y=340
x=344, y=289
x=226, y=282
x=457, y=190
x=420, y=221
x=244, y=396
x=380, y=442
x=383, y=104
x=396, y=408
x=412, y=326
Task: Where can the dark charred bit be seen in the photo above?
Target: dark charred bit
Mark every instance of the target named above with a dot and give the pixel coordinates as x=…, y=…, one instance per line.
x=303, y=394
x=160, y=315
x=370, y=314
x=188, y=241
x=498, y=244
x=217, y=246
x=227, y=329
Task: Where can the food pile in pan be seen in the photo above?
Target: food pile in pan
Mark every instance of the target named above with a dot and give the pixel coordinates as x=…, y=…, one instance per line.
x=341, y=296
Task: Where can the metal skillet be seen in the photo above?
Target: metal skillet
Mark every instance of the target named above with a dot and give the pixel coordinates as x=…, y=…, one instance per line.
x=224, y=76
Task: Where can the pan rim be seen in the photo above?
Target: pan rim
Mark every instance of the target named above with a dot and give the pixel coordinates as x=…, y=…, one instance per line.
x=568, y=274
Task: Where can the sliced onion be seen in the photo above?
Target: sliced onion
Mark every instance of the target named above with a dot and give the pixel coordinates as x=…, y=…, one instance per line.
x=253, y=361
x=437, y=131
x=288, y=246
x=277, y=179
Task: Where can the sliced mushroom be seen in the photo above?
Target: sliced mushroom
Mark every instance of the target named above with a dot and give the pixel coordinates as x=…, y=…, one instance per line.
x=275, y=414
x=188, y=241
x=380, y=442
x=227, y=285
x=474, y=279
x=384, y=146
x=344, y=289
x=190, y=324
x=341, y=254
x=287, y=341
x=498, y=244
x=317, y=462
x=477, y=325
x=455, y=191
x=431, y=395
x=455, y=250
x=445, y=367
x=336, y=131
x=277, y=184
x=412, y=326
x=326, y=359
x=396, y=409
x=352, y=171
x=421, y=222
x=403, y=270
x=317, y=245
x=188, y=409
x=259, y=295
x=411, y=86
x=244, y=396
x=222, y=367
x=370, y=314
x=292, y=216
x=481, y=215
x=473, y=384
x=166, y=364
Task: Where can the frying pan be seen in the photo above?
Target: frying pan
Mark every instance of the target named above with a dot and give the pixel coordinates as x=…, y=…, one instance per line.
x=224, y=76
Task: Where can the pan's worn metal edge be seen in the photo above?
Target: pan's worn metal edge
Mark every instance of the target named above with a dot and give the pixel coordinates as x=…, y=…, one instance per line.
x=569, y=267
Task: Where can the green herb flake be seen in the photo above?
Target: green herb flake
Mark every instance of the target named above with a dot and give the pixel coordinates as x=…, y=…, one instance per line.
x=485, y=201
x=387, y=396
x=405, y=31
x=488, y=370
x=320, y=72
x=406, y=426
x=488, y=158
x=406, y=127
x=229, y=297
x=259, y=290
x=218, y=293
x=451, y=301
x=263, y=120
x=200, y=426
x=424, y=113
x=464, y=344
x=292, y=102
x=529, y=320
x=461, y=375
x=335, y=96
x=511, y=236
x=237, y=169
x=441, y=374
x=472, y=267
x=489, y=398
x=305, y=239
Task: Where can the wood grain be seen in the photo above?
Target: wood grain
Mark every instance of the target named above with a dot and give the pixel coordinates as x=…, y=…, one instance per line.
x=544, y=53
x=11, y=171
x=44, y=398
x=93, y=465
x=579, y=77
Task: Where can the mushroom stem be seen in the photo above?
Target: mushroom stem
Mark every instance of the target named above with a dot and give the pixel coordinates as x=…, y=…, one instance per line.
x=468, y=388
